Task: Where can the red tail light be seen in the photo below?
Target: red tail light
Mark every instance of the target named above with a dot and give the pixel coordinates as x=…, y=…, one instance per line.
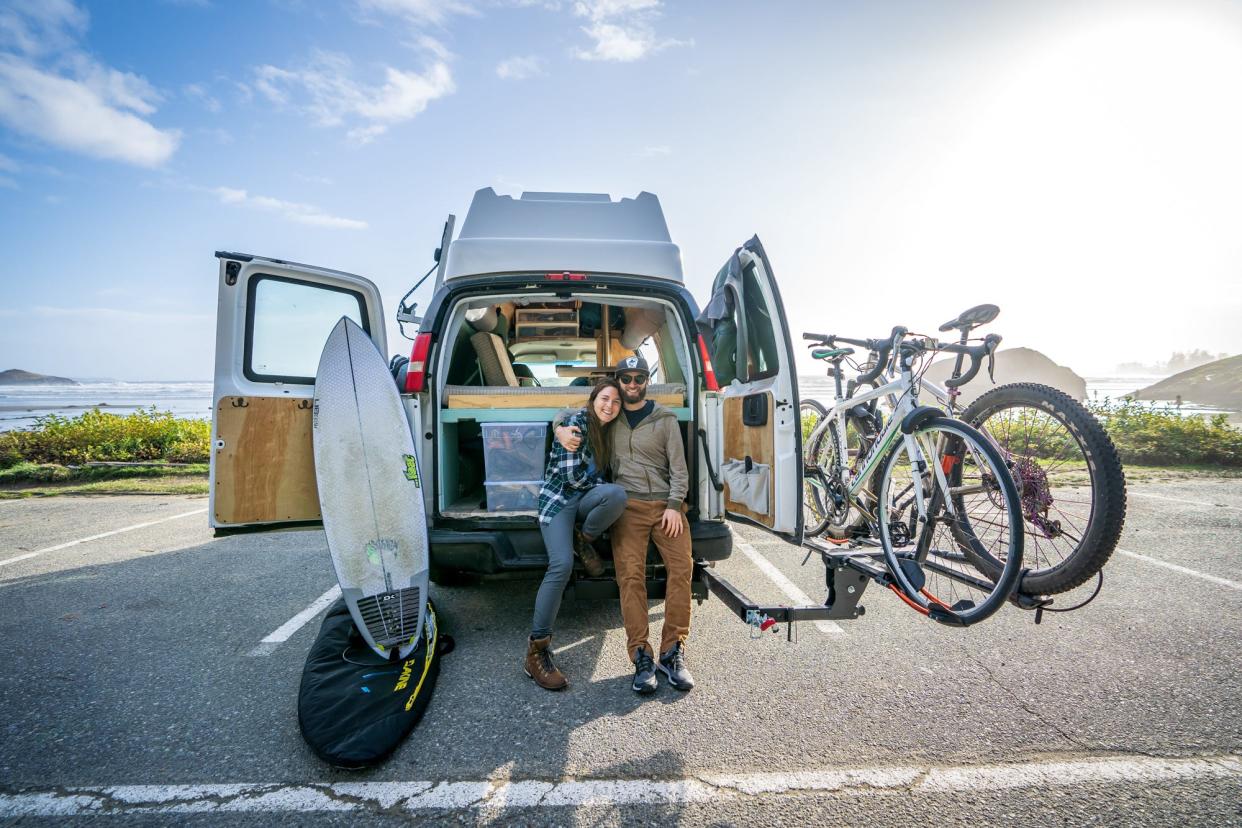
x=709, y=373
x=416, y=373
x=566, y=277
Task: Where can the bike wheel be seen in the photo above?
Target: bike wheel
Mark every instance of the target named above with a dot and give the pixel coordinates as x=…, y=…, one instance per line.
x=825, y=505
x=1070, y=482
x=981, y=511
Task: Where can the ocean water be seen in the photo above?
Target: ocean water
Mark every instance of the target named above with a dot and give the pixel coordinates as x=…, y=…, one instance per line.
x=21, y=405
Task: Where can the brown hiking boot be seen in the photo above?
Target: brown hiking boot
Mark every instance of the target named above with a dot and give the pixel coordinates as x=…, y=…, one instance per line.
x=539, y=665
x=591, y=561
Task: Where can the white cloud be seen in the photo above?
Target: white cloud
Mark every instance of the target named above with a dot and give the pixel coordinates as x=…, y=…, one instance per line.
x=53, y=91
x=327, y=92
x=418, y=11
x=301, y=213
x=75, y=116
x=118, y=314
x=198, y=92
x=520, y=68
x=603, y=9
x=38, y=27
x=622, y=30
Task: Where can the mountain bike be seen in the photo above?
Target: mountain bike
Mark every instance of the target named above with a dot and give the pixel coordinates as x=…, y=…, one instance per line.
x=922, y=485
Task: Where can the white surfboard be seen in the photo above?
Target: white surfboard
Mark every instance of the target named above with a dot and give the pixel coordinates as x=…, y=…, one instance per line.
x=370, y=491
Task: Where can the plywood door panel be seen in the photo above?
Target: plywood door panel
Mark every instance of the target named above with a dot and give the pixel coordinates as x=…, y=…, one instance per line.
x=265, y=471
x=756, y=442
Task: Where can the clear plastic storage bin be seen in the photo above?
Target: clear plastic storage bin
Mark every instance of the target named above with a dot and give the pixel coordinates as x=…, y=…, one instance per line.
x=513, y=496
x=514, y=452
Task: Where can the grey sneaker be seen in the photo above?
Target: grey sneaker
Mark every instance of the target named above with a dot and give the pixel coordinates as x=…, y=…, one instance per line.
x=644, y=673
x=673, y=666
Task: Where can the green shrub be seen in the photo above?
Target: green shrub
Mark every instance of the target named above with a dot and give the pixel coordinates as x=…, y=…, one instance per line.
x=96, y=436
x=1161, y=437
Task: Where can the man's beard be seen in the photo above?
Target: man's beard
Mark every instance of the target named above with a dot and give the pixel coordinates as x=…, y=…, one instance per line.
x=632, y=397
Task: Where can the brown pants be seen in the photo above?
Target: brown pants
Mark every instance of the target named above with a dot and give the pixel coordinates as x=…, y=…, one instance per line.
x=639, y=523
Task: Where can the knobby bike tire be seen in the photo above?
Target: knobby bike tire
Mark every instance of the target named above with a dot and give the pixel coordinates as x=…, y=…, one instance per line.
x=995, y=589
x=1107, y=486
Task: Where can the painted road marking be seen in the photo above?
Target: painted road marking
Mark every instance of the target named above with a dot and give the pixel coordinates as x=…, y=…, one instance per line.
x=560, y=650
x=282, y=633
x=1182, y=500
x=786, y=586
x=1225, y=582
x=496, y=795
x=29, y=555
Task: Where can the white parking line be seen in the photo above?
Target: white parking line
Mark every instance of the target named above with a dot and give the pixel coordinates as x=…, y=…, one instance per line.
x=1225, y=582
x=1182, y=500
x=786, y=586
x=494, y=795
x=29, y=555
x=282, y=633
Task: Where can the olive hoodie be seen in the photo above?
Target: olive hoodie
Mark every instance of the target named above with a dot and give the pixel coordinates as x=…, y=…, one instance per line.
x=649, y=461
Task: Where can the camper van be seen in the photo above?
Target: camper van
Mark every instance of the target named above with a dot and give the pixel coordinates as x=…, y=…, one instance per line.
x=535, y=298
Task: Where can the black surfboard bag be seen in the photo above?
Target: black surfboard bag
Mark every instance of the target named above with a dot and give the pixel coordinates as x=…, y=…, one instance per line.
x=355, y=708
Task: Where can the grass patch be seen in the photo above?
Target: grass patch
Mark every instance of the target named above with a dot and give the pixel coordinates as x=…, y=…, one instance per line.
x=1148, y=436
x=177, y=484
x=97, y=436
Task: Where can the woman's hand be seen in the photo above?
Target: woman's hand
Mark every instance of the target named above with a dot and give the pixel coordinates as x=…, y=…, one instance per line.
x=671, y=523
x=569, y=436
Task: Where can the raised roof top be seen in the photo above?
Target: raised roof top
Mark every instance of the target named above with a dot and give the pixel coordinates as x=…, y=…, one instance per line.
x=552, y=232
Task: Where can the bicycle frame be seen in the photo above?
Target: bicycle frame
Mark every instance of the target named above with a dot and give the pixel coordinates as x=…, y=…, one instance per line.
x=903, y=398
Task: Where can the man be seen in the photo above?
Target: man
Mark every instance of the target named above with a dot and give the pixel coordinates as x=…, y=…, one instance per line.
x=649, y=462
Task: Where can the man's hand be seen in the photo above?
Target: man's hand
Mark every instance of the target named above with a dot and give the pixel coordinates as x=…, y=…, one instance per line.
x=671, y=523
x=569, y=436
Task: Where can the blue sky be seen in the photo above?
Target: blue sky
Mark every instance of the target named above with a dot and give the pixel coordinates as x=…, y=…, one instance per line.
x=1075, y=163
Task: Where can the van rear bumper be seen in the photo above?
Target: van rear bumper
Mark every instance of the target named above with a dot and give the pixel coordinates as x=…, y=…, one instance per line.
x=488, y=552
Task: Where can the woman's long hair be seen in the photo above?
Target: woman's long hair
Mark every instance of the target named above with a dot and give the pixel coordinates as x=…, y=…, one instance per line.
x=597, y=432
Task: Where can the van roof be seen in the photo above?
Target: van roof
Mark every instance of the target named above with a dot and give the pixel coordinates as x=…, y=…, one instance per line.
x=555, y=232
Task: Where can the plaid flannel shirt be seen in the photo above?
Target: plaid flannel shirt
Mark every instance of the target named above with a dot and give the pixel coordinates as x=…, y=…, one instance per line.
x=567, y=473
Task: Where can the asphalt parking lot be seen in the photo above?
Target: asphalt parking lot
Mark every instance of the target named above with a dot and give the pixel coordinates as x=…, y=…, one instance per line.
x=137, y=685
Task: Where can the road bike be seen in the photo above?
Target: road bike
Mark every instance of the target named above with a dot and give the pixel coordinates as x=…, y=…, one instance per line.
x=922, y=485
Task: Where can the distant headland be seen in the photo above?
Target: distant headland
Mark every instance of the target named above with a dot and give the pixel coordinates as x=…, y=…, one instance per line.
x=1218, y=384
x=16, y=376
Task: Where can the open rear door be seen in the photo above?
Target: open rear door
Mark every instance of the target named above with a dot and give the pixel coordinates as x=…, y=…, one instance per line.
x=745, y=326
x=271, y=323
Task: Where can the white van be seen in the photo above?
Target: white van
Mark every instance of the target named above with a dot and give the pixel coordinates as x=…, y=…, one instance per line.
x=535, y=297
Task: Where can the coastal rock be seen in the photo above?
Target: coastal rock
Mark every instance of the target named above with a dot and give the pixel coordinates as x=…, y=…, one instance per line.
x=1012, y=365
x=16, y=376
x=1217, y=384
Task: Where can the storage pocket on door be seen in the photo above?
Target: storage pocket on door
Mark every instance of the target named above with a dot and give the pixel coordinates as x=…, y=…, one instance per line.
x=748, y=483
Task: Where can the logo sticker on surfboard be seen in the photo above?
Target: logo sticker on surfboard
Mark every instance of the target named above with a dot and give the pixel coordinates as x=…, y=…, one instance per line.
x=411, y=470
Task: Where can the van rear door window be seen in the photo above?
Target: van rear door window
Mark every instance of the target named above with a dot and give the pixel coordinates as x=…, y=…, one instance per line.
x=287, y=322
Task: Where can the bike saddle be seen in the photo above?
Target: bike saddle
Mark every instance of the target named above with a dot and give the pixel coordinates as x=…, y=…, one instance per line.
x=831, y=354
x=973, y=318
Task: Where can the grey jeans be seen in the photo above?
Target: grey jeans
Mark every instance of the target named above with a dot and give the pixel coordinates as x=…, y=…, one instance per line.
x=596, y=509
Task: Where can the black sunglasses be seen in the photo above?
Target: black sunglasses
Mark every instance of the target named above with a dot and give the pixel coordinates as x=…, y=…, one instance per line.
x=631, y=379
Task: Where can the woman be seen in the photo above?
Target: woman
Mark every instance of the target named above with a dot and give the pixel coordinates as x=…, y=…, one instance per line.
x=573, y=491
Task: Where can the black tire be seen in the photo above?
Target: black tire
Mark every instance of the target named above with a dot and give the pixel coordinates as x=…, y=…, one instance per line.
x=950, y=591
x=1059, y=557
x=820, y=513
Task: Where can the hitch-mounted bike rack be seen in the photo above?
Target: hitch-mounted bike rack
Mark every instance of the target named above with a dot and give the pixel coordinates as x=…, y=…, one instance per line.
x=846, y=574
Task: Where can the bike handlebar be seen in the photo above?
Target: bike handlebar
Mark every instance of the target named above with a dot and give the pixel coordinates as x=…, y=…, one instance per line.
x=882, y=348
x=976, y=353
